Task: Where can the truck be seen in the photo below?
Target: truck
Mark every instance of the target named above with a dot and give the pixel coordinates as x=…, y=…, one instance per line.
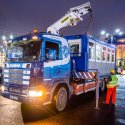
x=2, y=60
x=46, y=68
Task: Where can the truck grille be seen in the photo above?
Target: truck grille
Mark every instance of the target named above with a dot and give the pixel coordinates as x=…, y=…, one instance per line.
x=15, y=81
x=16, y=76
x=16, y=71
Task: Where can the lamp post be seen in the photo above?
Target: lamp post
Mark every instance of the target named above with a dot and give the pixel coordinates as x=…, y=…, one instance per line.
x=104, y=35
x=109, y=37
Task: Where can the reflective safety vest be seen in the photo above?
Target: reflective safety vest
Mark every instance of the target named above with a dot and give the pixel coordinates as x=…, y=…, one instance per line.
x=113, y=82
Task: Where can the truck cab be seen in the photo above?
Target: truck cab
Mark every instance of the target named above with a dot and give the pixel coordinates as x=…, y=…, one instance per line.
x=37, y=65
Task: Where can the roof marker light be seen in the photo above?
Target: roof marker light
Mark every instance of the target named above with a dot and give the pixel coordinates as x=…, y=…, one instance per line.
x=34, y=37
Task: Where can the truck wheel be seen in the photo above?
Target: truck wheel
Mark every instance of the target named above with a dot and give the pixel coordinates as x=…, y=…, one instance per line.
x=60, y=99
x=102, y=86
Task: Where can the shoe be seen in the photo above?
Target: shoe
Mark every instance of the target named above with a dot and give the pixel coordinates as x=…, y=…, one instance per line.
x=105, y=105
x=113, y=105
x=112, y=108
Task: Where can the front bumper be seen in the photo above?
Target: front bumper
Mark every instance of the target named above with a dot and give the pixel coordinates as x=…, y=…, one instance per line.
x=45, y=99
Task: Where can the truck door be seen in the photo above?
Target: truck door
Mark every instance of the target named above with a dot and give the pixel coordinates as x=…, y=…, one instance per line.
x=52, y=61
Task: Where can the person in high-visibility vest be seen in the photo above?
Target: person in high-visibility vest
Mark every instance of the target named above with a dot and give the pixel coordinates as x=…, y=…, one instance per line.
x=111, y=87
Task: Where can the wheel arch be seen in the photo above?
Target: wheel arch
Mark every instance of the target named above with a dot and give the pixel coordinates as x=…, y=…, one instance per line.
x=56, y=87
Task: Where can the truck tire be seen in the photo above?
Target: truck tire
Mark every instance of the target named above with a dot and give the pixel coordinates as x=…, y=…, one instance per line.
x=102, y=86
x=60, y=99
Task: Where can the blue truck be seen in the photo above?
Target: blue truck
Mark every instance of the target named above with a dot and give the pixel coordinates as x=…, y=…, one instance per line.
x=46, y=68
x=40, y=68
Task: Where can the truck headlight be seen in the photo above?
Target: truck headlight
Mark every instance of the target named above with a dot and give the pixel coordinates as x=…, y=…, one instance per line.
x=33, y=93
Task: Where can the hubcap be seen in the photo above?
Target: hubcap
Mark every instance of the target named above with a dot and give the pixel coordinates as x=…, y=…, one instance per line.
x=103, y=86
x=61, y=99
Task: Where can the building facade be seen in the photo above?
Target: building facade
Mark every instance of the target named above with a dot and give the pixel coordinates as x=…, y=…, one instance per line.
x=119, y=41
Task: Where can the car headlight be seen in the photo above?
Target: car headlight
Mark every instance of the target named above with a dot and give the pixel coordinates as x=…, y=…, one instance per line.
x=33, y=93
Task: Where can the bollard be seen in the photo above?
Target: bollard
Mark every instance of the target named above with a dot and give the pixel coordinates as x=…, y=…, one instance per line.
x=97, y=91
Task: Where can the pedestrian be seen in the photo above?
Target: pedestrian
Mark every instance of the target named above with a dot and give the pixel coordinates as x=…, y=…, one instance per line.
x=122, y=70
x=119, y=70
x=112, y=83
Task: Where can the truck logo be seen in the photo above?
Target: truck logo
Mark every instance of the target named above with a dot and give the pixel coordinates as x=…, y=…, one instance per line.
x=65, y=51
x=15, y=65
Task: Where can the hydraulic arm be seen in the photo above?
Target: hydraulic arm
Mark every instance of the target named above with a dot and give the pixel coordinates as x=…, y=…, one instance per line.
x=73, y=16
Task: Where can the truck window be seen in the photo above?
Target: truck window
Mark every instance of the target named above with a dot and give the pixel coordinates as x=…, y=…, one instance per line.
x=51, y=51
x=91, y=51
x=75, y=47
x=28, y=51
x=74, y=50
x=104, y=54
x=98, y=53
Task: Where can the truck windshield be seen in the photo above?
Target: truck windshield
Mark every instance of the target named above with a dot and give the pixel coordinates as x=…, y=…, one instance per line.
x=28, y=51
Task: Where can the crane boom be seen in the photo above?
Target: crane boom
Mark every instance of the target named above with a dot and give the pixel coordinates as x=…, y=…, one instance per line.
x=73, y=16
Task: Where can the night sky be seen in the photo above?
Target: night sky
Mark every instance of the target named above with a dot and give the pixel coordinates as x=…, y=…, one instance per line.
x=21, y=16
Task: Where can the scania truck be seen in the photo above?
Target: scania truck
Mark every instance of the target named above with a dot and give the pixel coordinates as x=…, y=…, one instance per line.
x=46, y=68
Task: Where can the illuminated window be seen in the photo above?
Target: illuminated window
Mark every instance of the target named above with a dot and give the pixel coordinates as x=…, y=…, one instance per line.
x=98, y=52
x=109, y=55
x=113, y=56
x=91, y=51
x=104, y=54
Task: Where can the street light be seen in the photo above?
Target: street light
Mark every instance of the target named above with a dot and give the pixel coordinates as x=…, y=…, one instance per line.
x=11, y=36
x=117, y=30
x=3, y=38
x=107, y=34
x=103, y=32
x=120, y=33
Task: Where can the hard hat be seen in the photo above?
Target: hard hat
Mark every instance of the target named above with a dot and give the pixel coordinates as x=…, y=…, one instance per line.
x=112, y=71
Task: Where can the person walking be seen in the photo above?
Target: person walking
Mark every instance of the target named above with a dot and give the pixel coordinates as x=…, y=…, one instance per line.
x=111, y=88
x=122, y=71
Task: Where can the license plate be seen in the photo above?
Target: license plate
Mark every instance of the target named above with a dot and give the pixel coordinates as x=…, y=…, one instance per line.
x=14, y=97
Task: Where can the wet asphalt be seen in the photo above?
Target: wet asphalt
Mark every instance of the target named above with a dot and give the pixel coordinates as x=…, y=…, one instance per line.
x=80, y=111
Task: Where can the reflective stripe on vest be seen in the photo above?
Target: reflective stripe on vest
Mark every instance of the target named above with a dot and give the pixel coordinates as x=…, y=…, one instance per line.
x=114, y=81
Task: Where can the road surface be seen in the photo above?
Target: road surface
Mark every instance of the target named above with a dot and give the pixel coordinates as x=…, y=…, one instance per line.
x=81, y=111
